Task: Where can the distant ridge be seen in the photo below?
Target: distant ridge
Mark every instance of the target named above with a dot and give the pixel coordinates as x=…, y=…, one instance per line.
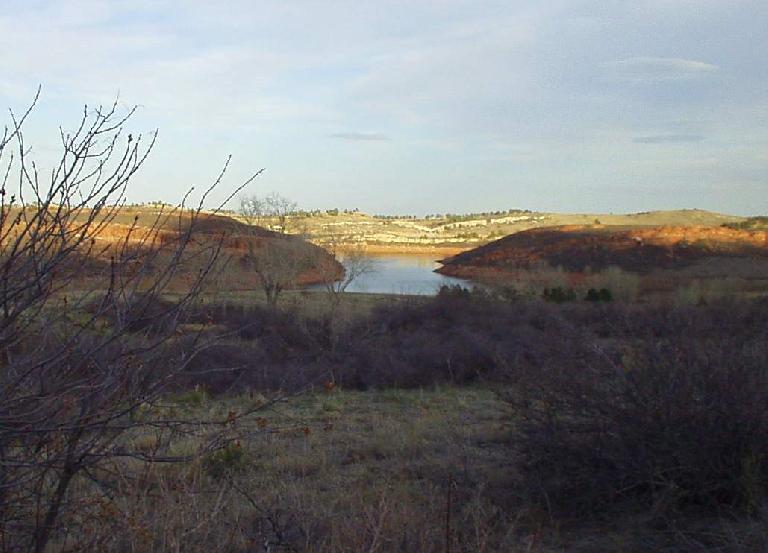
x=453, y=232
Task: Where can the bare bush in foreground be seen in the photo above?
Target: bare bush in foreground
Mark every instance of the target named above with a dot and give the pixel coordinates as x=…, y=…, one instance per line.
x=85, y=354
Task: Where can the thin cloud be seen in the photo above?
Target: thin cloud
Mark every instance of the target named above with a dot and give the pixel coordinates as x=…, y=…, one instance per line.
x=360, y=136
x=669, y=139
x=654, y=70
x=503, y=94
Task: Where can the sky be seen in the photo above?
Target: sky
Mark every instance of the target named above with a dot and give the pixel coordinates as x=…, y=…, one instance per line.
x=414, y=106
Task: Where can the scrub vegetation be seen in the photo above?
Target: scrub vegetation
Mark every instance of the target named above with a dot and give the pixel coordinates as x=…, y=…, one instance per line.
x=146, y=406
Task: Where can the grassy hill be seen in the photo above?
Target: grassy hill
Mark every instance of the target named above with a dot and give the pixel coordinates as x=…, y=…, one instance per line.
x=460, y=232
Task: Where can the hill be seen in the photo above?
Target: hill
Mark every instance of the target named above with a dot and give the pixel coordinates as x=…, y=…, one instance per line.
x=677, y=251
x=142, y=229
x=448, y=233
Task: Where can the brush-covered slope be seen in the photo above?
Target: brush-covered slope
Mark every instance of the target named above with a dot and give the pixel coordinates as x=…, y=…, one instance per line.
x=234, y=243
x=634, y=249
x=238, y=242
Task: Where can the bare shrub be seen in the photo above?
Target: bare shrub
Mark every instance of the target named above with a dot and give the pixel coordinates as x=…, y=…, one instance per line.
x=280, y=262
x=676, y=418
x=456, y=337
x=355, y=262
x=87, y=345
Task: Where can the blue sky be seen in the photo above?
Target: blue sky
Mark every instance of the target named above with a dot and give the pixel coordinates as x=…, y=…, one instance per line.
x=417, y=106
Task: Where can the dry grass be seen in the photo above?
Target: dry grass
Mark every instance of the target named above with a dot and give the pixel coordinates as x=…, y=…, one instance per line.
x=328, y=471
x=379, y=470
x=354, y=471
x=371, y=470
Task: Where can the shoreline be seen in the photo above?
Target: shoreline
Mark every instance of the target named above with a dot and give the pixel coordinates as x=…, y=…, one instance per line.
x=440, y=251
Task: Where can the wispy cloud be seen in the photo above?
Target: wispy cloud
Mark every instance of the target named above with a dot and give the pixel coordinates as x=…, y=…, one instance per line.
x=502, y=94
x=668, y=139
x=360, y=136
x=656, y=70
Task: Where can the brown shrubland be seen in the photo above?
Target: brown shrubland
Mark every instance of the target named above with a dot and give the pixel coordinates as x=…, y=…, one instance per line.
x=489, y=420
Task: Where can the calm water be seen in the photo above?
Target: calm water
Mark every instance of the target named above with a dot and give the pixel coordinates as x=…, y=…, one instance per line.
x=404, y=274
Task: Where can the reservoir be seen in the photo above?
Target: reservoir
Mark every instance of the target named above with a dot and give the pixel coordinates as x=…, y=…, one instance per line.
x=410, y=274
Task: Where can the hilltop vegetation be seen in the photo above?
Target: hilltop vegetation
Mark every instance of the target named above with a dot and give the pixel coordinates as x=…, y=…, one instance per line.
x=752, y=223
x=458, y=232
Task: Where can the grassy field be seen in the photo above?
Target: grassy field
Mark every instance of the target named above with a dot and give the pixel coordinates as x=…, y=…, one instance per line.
x=466, y=422
x=425, y=470
x=335, y=470
x=396, y=423
x=373, y=470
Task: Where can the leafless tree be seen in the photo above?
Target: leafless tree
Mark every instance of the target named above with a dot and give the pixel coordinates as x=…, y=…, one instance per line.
x=354, y=259
x=281, y=208
x=279, y=262
x=88, y=347
x=253, y=209
x=278, y=259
